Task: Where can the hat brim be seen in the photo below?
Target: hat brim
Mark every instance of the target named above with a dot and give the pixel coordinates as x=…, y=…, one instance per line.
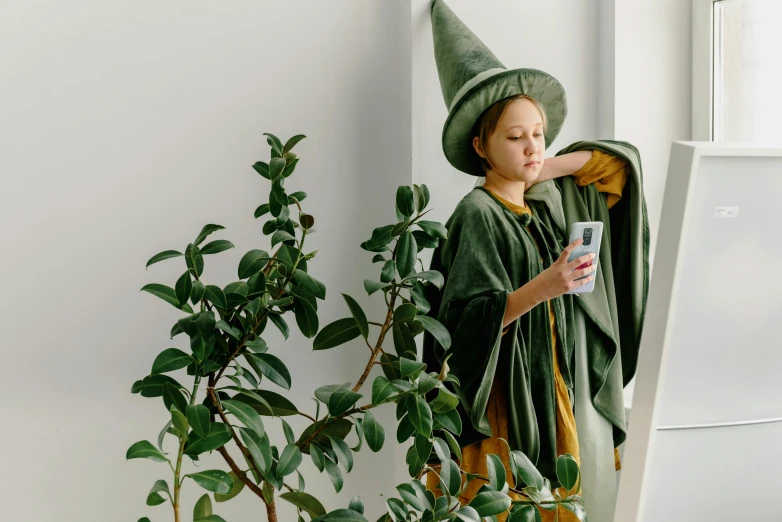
x=457, y=131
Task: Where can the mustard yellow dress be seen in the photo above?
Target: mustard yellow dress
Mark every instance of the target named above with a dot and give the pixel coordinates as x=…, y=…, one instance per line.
x=610, y=175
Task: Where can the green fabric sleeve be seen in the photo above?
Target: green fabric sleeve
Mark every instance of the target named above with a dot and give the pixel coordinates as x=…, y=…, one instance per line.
x=474, y=299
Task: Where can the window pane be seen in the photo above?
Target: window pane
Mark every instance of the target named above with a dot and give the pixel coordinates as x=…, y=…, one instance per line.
x=748, y=71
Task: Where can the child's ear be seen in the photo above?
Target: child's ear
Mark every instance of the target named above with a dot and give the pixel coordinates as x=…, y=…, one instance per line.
x=476, y=144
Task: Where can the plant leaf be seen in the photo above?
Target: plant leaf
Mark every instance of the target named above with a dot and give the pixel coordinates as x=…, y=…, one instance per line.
x=373, y=286
x=289, y=460
x=214, y=480
x=420, y=414
x=567, y=471
x=309, y=283
x=208, y=229
x=405, y=200
x=382, y=389
x=358, y=315
x=488, y=503
x=198, y=417
x=259, y=448
x=336, y=333
x=169, y=360
x=433, y=228
x=217, y=246
x=305, y=502
x=167, y=254
x=167, y=294
x=246, y=414
x=306, y=317
x=273, y=369
x=406, y=254
x=438, y=331
x=202, y=508
x=373, y=432
x=341, y=400
x=145, y=450
x=219, y=434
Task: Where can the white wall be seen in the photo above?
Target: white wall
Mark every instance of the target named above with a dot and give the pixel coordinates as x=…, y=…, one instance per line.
x=124, y=128
x=652, y=82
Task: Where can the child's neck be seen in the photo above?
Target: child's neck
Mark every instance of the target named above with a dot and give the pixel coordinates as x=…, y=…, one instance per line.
x=507, y=189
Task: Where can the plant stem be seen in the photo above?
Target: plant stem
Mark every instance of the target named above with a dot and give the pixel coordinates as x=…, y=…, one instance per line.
x=211, y=391
x=239, y=473
x=180, y=453
x=379, y=344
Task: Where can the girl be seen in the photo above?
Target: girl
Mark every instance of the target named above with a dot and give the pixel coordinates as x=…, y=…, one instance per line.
x=509, y=141
x=533, y=360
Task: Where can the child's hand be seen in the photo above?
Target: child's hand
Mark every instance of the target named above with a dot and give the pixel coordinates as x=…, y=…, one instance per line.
x=561, y=276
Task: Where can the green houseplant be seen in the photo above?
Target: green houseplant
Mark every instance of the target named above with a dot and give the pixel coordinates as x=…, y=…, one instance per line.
x=235, y=376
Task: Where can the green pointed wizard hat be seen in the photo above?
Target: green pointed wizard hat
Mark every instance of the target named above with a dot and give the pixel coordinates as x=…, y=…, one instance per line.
x=473, y=79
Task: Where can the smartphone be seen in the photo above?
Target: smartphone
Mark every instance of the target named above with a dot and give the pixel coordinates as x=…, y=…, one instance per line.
x=591, y=232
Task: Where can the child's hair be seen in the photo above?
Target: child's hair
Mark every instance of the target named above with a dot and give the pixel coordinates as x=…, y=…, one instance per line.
x=487, y=123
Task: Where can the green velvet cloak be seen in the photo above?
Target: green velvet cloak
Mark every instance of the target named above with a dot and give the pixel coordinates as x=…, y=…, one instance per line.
x=490, y=252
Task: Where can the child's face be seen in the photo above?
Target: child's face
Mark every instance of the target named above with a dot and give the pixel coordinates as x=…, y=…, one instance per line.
x=517, y=145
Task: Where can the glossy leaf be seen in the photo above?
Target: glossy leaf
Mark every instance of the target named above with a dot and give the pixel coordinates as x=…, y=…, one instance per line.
x=432, y=276
x=198, y=418
x=382, y=389
x=373, y=286
x=167, y=294
x=344, y=454
x=281, y=325
x=162, y=256
x=334, y=474
x=336, y=333
x=444, y=402
x=373, y=432
x=450, y=421
x=358, y=315
x=495, y=472
x=259, y=448
x=567, y=471
x=217, y=246
x=306, y=318
x=172, y=396
x=405, y=312
x=305, y=502
x=273, y=369
x=252, y=262
x=438, y=331
x=528, y=473
x=216, y=296
x=309, y=283
x=450, y=477
x=246, y=414
x=341, y=400
x=488, y=503
x=202, y=508
x=214, y=480
x=145, y=450
x=208, y=229
x=169, y=360
x=433, y=228
x=420, y=414
x=406, y=254
x=290, y=459
x=405, y=200
x=219, y=435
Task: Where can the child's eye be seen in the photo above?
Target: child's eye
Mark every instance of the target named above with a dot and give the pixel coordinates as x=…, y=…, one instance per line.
x=514, y=138
x=538, y=134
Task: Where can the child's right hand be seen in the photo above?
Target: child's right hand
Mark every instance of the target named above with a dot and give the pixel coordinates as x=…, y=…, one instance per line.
x=561, y=276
